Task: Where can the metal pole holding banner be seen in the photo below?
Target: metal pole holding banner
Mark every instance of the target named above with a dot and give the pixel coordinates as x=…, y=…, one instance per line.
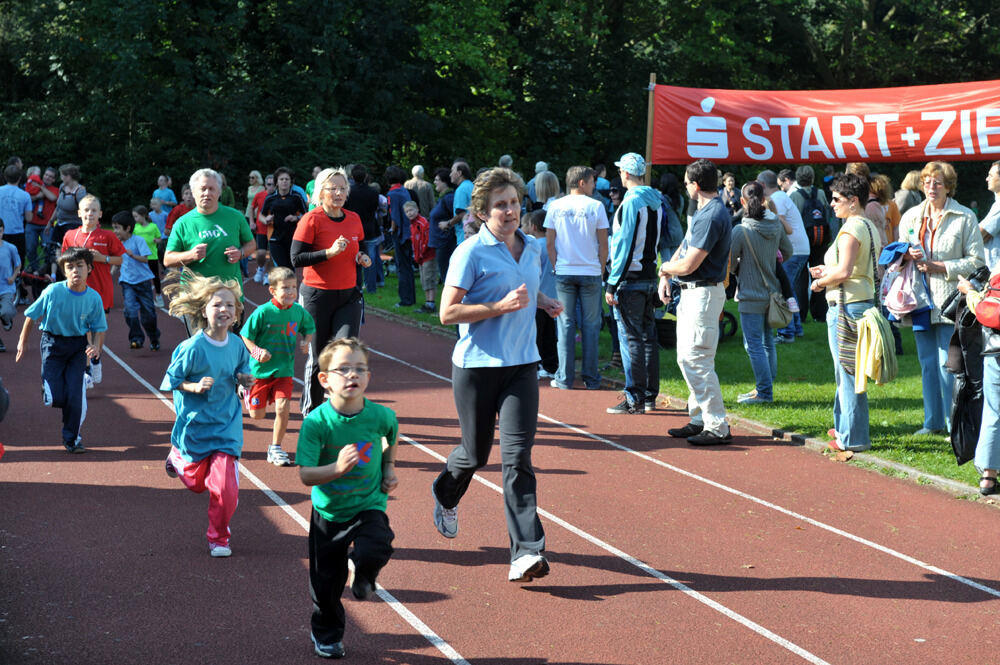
x=649, y=129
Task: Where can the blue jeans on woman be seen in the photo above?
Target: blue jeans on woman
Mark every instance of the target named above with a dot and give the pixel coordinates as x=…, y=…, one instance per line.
x=759, y=344
x=793, y=266
x=938, y=382
x=373, y=273
x=850, y=410
x=988, y=447
x=32, y=240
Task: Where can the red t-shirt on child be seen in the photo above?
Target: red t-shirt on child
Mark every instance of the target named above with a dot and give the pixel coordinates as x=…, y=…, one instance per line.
x=108, y=244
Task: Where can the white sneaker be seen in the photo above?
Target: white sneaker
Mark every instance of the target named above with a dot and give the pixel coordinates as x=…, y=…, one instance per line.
x=924, y=431
x=97, y=372
x=259, y=275
x=277, y=456
x=528, y=567
x=445, y=519
x=218, y=551
x=158, y=301
x=542, y=374
x=793, y=305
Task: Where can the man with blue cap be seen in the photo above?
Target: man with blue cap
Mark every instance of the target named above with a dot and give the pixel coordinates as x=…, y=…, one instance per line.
x=631, y=285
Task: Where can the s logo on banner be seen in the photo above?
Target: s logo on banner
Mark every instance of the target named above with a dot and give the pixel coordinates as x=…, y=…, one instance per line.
x=706, y=135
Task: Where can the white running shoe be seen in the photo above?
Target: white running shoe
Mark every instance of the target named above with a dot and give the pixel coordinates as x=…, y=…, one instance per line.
x=259, y=275
x=528, y=567
x=277, y=456
x=97, y=372
x=218, y=551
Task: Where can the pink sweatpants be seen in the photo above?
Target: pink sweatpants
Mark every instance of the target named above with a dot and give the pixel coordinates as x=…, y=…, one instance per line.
x=219, y=474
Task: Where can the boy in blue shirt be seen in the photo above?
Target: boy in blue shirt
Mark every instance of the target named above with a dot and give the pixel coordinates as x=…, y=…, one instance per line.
x=10, y=266
x=71, y=317
x=137, y=283
x=341, y=456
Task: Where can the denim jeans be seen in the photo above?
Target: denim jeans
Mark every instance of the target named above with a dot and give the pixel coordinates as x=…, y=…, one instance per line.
x=140, y=313
x=988, y=447
x=584, y=290
x=373, y=273
x=404, y=272
x=938, y=382
x=793, y=266
x=637, y=330
x=759, y=344
x=32, y=239
x=444, y=250
x=850, y=410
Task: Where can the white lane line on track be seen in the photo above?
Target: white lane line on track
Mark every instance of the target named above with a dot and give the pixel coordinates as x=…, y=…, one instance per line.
x=749, y=497
x=649, y=570
x=425, y=631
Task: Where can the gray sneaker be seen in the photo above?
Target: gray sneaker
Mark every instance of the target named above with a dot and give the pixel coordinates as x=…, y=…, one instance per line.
x=445, y=519
x=335, y=650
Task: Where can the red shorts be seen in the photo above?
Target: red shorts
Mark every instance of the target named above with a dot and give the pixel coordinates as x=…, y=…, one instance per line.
x=265, y=391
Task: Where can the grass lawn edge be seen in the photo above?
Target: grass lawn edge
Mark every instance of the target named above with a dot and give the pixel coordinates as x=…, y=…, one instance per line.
x=863, y=461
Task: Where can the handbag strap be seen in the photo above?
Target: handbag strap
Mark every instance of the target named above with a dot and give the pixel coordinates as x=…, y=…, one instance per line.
x=875, y=289
x=754, y=255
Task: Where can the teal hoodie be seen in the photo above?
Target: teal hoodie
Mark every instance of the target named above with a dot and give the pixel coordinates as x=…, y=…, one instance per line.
x=634, y=236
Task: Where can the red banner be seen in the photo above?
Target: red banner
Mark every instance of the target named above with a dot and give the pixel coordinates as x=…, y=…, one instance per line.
x=952, y=122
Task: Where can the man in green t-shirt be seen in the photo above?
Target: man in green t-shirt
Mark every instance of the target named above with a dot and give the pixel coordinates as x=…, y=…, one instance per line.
x=340, y=455
x=212, y=238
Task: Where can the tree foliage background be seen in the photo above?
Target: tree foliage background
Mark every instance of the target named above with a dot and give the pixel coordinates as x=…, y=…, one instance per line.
x=130, y=89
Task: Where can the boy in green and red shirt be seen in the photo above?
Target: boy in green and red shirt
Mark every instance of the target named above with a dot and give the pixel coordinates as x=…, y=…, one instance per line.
x=343, y=458
x=270, y=335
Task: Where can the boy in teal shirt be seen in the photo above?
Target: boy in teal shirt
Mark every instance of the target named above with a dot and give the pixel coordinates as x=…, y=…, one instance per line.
x=270, y=335
x=340, y=455
x=71, y=317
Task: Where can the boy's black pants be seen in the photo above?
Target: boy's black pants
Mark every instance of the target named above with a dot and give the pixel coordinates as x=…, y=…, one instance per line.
x=328, y=543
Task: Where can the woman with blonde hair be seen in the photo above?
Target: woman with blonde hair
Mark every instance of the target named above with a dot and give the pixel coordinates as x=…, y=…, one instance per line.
x=326, y=245
x=945, y=244
x=256, y=185
x=908, y=194
x=881, y=188
x=546, y=189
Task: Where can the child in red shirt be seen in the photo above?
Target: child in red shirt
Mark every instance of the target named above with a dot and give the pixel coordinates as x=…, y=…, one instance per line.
x=107, y=251
x=103, y=244
x=423, y=255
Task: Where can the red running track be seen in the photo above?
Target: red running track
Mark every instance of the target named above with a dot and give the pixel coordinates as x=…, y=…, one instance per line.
x=758, y=552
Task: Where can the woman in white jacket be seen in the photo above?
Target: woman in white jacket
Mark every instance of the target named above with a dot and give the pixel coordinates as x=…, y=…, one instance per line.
x=945, y=243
